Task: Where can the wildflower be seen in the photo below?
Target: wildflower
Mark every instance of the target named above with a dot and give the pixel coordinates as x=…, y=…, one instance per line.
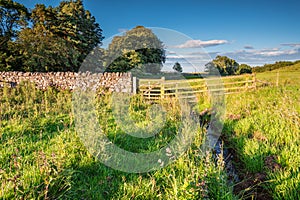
x=168, y=152
x=161, y=162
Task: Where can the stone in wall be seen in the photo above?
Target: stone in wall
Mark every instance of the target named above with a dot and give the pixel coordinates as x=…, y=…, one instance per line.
x=114, y=82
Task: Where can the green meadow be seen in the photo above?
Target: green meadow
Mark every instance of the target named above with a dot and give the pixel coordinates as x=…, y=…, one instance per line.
x=42, y=156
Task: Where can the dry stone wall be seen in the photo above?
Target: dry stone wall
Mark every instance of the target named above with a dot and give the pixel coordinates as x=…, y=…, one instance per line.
x=114, y=82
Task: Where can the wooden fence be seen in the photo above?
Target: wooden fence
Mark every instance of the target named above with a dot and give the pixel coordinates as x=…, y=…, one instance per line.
x=155, y=89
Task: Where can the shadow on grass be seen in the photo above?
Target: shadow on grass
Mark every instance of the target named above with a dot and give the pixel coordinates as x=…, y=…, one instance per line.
x=248, y=157
x=95, y=181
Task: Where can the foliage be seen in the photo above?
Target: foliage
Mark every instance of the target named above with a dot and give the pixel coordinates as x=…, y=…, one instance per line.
x=211, y=68
x=13, y=17
x=177, y=67
x=78, y=27
x=276, y=65
x=244, y=69
x=58, y=39
x=225, y=66
x=138, y=49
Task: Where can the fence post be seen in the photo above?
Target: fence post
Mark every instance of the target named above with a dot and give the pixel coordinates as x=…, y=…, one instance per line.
x=206, y=87
x=135, y=85
x=247, y=80
x=254, y=81
x=149, y=90
x=162, y=87
x=176, y=90
x=277, y=79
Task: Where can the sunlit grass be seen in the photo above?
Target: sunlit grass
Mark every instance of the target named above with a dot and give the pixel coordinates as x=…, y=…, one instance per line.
x=42, y=157
x=269, y=126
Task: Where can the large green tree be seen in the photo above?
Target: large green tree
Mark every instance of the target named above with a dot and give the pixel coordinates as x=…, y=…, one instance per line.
x=137, y=49
x=244, y=69
x=59, y=38
x=13, y=16
x=41, y=49
x=78, y=27
x=225, y=66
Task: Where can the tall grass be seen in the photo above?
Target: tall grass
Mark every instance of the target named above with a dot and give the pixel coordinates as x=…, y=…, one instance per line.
x=269, y=127
x=42, y=157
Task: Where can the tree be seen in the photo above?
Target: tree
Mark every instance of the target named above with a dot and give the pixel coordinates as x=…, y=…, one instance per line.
x=59, y=38
x=244, y=69
x=211, y=68
x=78, y=27
x=138, y=49
x=177, y=67
x=41, y=49
x=225, y=65
x=276, y=65
x=13, y=16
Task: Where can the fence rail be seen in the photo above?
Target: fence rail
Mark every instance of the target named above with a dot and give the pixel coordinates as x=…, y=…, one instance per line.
x=155, y=89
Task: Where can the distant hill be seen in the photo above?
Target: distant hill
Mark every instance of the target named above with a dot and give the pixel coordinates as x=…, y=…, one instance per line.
x=285, y=76
x=294, y=67
x=276, y=65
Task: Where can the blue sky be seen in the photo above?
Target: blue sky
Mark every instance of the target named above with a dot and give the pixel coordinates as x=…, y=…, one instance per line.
x=249, y=31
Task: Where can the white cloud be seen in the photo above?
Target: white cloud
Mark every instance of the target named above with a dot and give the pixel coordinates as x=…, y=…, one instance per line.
x=202, y=53
x=262, y=56
x=186, y=56
x=192, y=55
x=200, y=43
x=194, y=60
x=169, y=52
x=264, y=52
x=291, y=44
x=273, y=52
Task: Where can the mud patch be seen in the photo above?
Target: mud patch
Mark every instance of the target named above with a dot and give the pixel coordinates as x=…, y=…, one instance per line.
x=252, y=187
x=271, y=163
x=246, y=185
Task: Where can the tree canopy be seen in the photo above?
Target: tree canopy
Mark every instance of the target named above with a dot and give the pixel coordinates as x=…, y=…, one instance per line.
x=244, y=69
x=276, y=65
x=177, y=67
x=226, y=66
x=57, y=39
x=13, y=16
x=138, y=49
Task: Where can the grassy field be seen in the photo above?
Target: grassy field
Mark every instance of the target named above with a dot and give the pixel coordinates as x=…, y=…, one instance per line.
x=42, y=157
x=286, y=76
x=263, y=130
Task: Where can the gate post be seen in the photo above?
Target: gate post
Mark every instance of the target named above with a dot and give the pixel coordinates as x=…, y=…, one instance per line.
x=162, y=87
x=135, y=85
x=254, y=80
x=247, y=82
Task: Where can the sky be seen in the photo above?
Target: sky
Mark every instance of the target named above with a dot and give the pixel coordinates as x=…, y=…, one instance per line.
x=194, y=31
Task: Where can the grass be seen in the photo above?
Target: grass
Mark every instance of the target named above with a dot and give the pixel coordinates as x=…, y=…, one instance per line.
x=266, y=137
x=43, y=157
x=286, y=76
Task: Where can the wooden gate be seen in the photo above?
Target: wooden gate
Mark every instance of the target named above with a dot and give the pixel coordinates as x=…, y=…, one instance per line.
x=155, y=89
